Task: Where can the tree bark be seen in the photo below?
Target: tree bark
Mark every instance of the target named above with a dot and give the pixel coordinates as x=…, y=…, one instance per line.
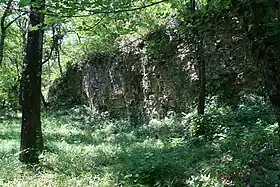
x=192, y=5
x=44, y=102
x=2, y=42
x=201, y=65
x=4, y=29
x=58, y=60
x=202, y=84
x=31, y=133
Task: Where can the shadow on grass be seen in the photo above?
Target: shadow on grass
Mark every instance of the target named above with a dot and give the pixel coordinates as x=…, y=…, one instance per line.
x=141, y=163
x=75, y=139
x=11, y=134
x=250, y=157
x=245, y=158
x=8, y=117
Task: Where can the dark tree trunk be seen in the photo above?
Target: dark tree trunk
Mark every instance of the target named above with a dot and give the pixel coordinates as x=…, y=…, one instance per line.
x=4, y=29
x=31, y=133
x=201, y=65
x=44, y=102
x=23, y=27
x=2, y=43
x=202, y=85
x=58, y=48
x=192, y=5
x=58, y=61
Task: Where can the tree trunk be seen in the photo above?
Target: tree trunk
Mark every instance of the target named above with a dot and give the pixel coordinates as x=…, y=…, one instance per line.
x=58, y=60
x=192, y=5
x=31, y=133
x=4, y=29
x=2, y=43
x=201, y=65
x=202, y=84
x=44, y=102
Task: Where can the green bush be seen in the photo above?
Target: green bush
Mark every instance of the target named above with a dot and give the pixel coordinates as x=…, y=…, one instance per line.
x=207, y=125
x=9, y=88
x=249, y=114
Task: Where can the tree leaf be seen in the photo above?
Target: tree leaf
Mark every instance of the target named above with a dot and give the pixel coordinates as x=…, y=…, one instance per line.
x=23, y=3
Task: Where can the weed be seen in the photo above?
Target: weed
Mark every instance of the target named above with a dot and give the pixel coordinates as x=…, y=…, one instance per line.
x=222, y=148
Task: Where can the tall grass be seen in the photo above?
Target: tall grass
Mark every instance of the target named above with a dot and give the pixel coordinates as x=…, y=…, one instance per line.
x=222, y=148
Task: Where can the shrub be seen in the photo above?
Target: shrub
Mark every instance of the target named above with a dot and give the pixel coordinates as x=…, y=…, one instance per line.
x=207, y=125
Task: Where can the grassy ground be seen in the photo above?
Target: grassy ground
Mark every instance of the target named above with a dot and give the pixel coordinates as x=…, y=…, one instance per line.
x=223, y=148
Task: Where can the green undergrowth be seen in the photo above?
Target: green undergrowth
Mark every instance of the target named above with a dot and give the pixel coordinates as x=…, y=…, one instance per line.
x=221, y=148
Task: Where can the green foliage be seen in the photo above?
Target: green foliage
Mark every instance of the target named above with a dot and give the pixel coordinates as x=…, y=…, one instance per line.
x=160, y=46
x=165, y=128
x=209, y=125
x=23, y=3
x=250, y=113
x=66, y=91
x=9, y=88
x=83, y=150
x=224, y=147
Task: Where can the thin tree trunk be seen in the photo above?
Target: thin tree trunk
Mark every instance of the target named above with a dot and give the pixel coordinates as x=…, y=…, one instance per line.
x=4, y=29
x=58, y=59
x=45, y=103
x=23, y=29
x=201, y=65
x=202, y=85
x=49, y=68
x=31, y=133
x=2, y=43
x=58, y=48
x=192, y=5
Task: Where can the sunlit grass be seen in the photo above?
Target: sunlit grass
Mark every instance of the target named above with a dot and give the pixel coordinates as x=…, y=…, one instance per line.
x=81, y=151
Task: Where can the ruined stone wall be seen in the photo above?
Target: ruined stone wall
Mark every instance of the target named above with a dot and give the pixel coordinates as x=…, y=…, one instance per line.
x=157, y=75
x=103, y=84
x=131, y=84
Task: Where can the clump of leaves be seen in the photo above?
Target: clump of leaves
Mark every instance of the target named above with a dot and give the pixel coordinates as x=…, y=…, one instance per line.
x=208, y=125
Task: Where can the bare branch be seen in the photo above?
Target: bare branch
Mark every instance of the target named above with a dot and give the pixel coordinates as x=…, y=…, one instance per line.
x=95, y=12
x=52, y=48
x=15, y=19
x=4, y=16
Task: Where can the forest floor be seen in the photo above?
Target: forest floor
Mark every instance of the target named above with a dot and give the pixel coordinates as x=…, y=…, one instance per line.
x=240, y=149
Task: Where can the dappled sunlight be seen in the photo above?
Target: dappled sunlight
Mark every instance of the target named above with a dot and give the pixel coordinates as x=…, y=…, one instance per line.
x=162, y=152
x=139, y=93
x=9, y=134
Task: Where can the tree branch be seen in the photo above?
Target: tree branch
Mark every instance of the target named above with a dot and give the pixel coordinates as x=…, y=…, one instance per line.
x=4, y=16
x=94, y=12
x=15, y=19
x=52, y=48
